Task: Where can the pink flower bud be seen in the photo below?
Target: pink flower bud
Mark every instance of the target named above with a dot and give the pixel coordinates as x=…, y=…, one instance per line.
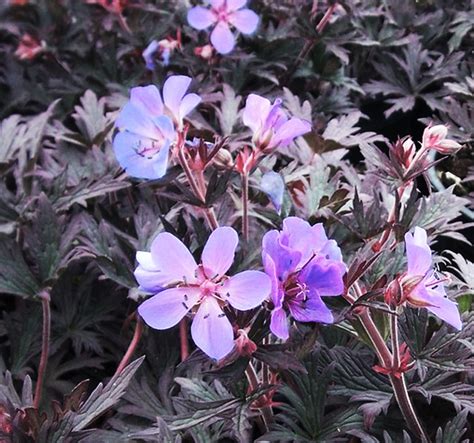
x=434, y=137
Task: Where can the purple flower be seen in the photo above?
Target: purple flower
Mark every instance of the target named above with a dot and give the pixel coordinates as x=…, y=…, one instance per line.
x=221, y=15
x=426, y=289
x=146, y=126
x=270, y=125
x=181, y=286
x=303, y=266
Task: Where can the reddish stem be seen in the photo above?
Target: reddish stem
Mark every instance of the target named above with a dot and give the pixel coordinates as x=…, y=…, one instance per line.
x=132, y=346
x=183, y=338
x=252, y=378
x=245, y=207
x=45, y=301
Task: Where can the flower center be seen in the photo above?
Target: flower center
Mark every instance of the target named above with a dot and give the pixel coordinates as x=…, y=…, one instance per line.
x=147, y=148
x=221, y=13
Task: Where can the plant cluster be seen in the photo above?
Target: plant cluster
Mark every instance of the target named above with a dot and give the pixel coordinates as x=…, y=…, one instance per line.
x=236, y=221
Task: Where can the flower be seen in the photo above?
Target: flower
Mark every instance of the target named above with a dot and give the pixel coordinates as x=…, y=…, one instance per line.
x=434, y=137
x=270, y=125
x=113, y=6
x=181, y=286
x=146, y=128
x=273, y=185
x=421, y=285
x=304, y=265
x=221, y=15
x=29, y=47
x=160, y=49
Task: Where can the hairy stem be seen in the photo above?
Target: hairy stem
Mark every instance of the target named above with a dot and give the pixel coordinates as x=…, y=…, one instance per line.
x=245, y=207
x=387, y=360
x=267, y=413
x=210, y=214
x=132, y=346
x=45, y=301
x=183, y=338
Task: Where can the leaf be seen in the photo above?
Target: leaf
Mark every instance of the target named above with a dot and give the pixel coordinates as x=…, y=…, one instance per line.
x=454, y=430
x=103, y=398
x=278, y=358
x=228, y=114
x=15, y=275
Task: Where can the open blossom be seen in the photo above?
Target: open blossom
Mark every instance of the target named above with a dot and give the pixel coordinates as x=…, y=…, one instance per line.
x=146, y=128
x=434, y=137
x=182, y=286
x=421, y=286
x=304, y=266
x=270, y=125
x=221, y=15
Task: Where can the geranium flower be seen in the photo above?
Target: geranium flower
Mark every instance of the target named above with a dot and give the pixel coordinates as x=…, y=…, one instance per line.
x=304, y=265
x=269, y=123
x=273, y=185
x=146, y=128
x=223, y=14
x=160, y=49
x=182, y=286
x=421, y=286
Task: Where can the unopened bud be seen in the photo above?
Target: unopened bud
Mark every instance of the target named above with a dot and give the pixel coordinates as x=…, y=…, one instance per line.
x=204, y=52
x=244, y=346
x=393, y=294
x=434, y=137
x=224, y=159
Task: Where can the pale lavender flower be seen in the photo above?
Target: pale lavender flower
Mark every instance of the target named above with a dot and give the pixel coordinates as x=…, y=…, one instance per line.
x=304, y=266
x=148, y=55
x=426, y=290
x=270, y=125
x=182, y=286
x=273, y=185
x=223, y=14
x=146, y=128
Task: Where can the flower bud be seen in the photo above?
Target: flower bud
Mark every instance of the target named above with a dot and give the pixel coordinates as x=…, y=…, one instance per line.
x=434, y=137
x=393, y=295
x=205, y=52
x=224, y=159
x=244, y=346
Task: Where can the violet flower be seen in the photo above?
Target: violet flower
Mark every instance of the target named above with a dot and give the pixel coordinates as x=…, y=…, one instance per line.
x=426, y=290
x=269, y=123
x=146, y=128
x=148, y=55
x=223, y=14
x=304, y=265
x=181, y=286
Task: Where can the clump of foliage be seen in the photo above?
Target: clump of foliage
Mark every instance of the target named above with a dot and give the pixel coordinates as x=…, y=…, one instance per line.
x=376, y=82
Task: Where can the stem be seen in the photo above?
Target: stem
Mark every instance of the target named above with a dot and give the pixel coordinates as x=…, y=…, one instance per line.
x=267, y=413
x=395, y=341
x=245, y=207
x=183, y=338
x=210, y=214
x=399, y=386
x=132, y=346
x=45, y=301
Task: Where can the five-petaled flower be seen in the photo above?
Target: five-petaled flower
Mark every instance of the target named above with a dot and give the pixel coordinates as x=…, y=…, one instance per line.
x=420, y=284
x=182, y=286
x=270, y=125
x=304, y=265
x=146, y=128
x=222, y=14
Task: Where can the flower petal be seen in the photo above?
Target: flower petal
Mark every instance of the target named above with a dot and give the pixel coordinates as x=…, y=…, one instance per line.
x=277, y=294
x=148, y=99
x=273, y=185
x=165, y=126
x=324, y=276
x=233, y=5
x=418, y=252
x=151, y=166
x=246, y=290
x=218, y=254
x=200, y=18
x=222, y=38
x=134, y=119
x=255, y=112
x=285, y=259
x=211, y=330
x=312, y=310
x=173, y=259
x=189, y=102
x=289, y=130
x=167, y=308
x=173, y=92
x=245, y=20
x=279, y=324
